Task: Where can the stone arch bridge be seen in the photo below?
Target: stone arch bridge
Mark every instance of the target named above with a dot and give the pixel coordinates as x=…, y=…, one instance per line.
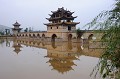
x=62, y=36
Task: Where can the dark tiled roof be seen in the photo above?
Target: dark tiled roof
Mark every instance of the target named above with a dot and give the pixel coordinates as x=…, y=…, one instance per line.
x=62, y=23
x=16, y=24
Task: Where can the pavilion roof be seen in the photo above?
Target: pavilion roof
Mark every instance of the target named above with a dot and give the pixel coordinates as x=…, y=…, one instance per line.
x=62, y=13
x=16, y=24
x=61, y=18
x=62, y=23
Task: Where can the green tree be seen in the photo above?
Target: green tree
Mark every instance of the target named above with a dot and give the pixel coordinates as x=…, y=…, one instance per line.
x=79, y=32
x=26, y=30
x=1, y=33
x=109, y=23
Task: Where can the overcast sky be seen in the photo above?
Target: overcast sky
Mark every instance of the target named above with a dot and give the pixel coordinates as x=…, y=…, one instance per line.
x=32, y=13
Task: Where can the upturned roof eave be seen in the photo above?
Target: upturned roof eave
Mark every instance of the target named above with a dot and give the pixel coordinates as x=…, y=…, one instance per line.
x=61, y=18
x=67, y=23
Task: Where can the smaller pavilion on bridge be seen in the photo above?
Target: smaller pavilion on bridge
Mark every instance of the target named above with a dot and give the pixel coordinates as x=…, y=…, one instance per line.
x=16, y=28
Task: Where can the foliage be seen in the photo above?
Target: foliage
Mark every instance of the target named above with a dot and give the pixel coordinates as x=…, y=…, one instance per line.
x=1, y=33
x=26, y=30
x=109, y=23
x=79, y=32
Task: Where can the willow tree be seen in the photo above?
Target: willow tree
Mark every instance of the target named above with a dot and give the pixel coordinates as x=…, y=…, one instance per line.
x=109, y=23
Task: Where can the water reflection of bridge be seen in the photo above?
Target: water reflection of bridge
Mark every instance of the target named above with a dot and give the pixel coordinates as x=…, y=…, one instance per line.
x=56, y=48
x=61, y=54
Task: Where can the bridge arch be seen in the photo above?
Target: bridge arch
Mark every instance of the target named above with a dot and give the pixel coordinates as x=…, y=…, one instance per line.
x=29, y=35
x=43, y=36
x=26, y=35
x=54, y=36
x=79, y=37
x=38, y=35
x=69, y=37
x=17, y=35
x=34, y=35
x=90, y=37
x=22, y=35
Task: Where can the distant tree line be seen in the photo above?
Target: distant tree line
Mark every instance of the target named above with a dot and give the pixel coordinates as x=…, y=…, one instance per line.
x=2, y=33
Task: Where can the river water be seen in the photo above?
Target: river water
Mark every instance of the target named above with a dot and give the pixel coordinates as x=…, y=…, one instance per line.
x=33, y=59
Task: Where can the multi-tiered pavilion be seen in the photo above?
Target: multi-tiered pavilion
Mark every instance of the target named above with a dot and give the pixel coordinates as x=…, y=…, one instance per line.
x=61, y=24
x=61, y=21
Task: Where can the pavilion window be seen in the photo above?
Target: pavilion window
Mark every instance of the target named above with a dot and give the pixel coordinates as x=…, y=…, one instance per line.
x=53, y=16
x=68, y=15
x=69, y=28
x=57, y=15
